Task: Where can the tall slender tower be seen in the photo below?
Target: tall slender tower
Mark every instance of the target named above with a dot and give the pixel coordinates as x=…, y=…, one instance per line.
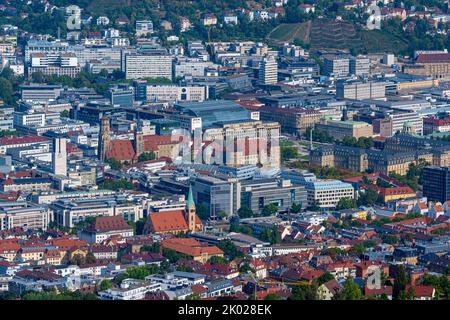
x=268, y=71
x=138, y=140
x=59, y=156
x=190, y=208
x=104, y=138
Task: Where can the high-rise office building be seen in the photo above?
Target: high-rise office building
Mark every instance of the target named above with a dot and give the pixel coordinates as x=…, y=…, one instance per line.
x=360, y=90
x=359, y=66
x=339, y=66
x=268, y=72
x=103, y=138
x=122, y=96
x=138, y=66
x=436, y=183
x=59, y=159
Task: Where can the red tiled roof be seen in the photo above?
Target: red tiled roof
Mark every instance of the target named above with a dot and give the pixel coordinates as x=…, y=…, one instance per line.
x=152, y=142
x=387, y=290
x=5, y=141
x=121, y=150
x=190, y=247
x=109, y=224
x=421, y=291
x=433, y=58
x=173, y=220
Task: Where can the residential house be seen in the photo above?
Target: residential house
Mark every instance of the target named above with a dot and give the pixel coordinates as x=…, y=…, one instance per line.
x=328, y=290
x=209, y=19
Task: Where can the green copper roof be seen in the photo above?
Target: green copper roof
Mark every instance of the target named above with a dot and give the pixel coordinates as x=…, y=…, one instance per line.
x=190, y=200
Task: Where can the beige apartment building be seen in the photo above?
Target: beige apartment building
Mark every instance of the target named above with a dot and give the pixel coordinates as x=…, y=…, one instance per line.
x=341, y=129
x=245, y=143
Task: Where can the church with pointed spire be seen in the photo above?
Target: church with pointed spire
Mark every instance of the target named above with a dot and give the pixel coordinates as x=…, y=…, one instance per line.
x=175, y=221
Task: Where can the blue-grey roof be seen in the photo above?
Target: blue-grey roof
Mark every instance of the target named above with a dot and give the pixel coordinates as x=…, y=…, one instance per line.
x=215, y=111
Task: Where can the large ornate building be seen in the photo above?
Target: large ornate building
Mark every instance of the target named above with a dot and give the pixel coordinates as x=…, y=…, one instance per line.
x=397, y=154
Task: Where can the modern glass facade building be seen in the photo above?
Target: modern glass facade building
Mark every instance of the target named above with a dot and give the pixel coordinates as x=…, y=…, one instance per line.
x=436, y=183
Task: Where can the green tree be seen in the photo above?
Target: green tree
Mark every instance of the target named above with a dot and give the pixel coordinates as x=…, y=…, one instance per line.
x=230, y=250
x=315, y=206
x=367, y=198
x=146, y=156
x=389, y=239
x=90, y=258
x=202, y=211
x=245, y=212
x=105, y=285
x=304, y=292
x=116, y=185
x=324, y=278
x=350, y=291
x=65, y=114
x=245, y=268
x=217, y=260
x=400, y=282
x=272, y=296
x=346, y=203
x=296, y=207
x=6, y=91
x=269, y=209
x=193, y=296
x=115, y=164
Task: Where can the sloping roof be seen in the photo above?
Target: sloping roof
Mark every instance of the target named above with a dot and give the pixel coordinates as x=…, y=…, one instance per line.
x=109, y=224
x=166, y=221
x=421, y=291
x=21, y=140
x=121, y=150
x=152, y=142
x=190, y=247
x=433, y=58
x=387, y=290
x=333, y=286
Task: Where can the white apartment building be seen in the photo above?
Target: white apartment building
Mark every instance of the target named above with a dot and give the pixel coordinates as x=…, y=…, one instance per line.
x=359, y=66
x=191, y=66
x=30, y=119
x=268, y=71
x=339, y=66
x=130, y=289
x=328, y=192
x=143, y=27
x=71, y=211
x=148, y=66
x=25, y=215
x=176, y=93
x=62, y=64
x=360, y=90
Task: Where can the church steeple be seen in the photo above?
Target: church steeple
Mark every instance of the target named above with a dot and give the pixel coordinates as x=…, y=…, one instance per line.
x=190, y=208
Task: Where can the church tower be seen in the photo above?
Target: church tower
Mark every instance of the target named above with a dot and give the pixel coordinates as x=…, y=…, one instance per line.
x=138, y=143
x=104, y=138
x=190, y=209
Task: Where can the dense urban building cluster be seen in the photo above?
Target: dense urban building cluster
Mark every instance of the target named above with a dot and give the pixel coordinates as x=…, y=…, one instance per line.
x=149, y=159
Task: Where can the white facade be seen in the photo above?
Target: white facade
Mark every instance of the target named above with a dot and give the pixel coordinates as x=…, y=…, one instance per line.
x=328, y=192
x=59, y=160
x=148, y=66
x=176, y=93
x=268, y=72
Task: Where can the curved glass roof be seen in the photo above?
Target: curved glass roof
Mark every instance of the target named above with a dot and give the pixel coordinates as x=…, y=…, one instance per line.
x=217, y=111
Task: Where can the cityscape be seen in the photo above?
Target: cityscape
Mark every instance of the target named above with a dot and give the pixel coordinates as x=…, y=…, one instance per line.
x=225, y=150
